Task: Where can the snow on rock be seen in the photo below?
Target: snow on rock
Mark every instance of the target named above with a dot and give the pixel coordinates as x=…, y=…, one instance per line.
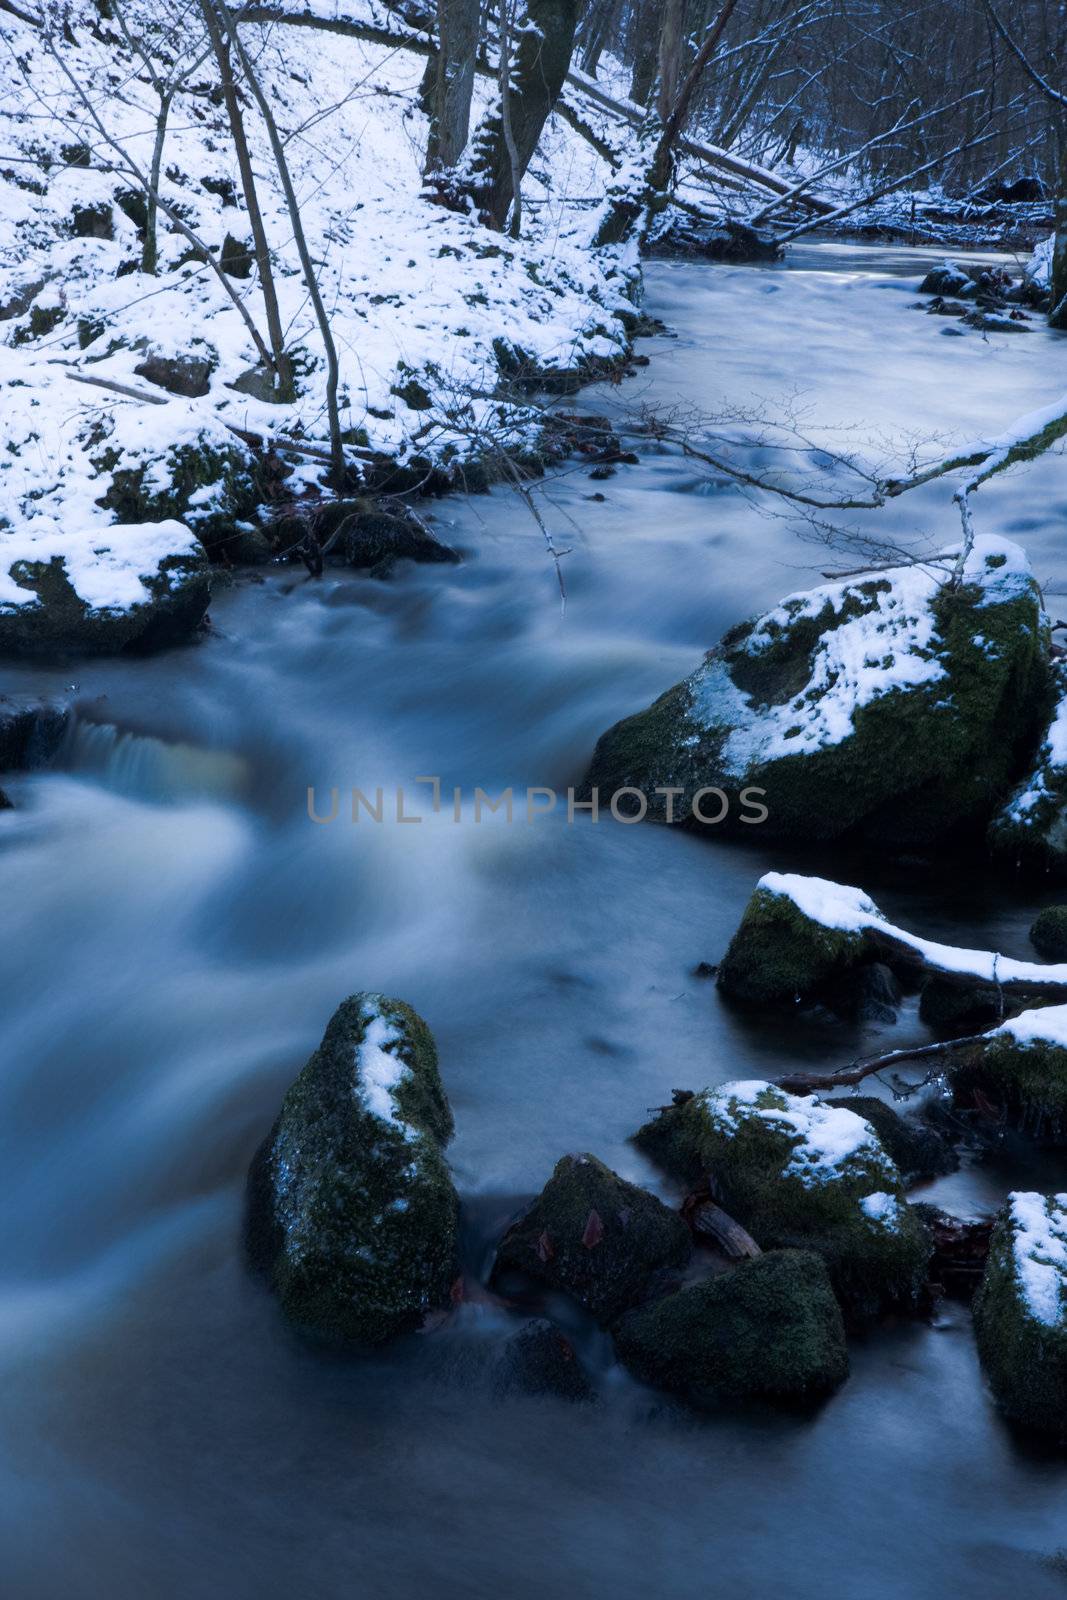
x=849, y=910
x=426, y=305
x=380, y=1069
x=1020, y=1312
x=826, y=1141
x=353, y=1213
x=889, y=645
x=1039, y=1243
x=107, y=567
x=1045, y=1025
x=799, y=1174
x=850, y=698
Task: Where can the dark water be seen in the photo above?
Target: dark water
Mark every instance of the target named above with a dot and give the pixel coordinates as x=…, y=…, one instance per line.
x=177, y=933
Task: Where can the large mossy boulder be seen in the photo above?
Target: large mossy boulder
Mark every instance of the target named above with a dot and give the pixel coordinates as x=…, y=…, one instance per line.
x=1030, y=828
x=352, y=1210
x=1021, y=1067
x=595, y=1237
x=799, y=1174
x=1020, y=1312
x=895, y=708
x=769, y=1329
x=100, y=591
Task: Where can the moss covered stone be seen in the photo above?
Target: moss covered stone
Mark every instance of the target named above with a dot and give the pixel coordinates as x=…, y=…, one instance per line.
x=779, y=956
x=1020, y=1312
x=539, y=1360
x=352, y=1210
x=1022, y=1068
x=1048, y=933
x=595, y=1236
x=769, y=1329
x=177, y=590
x=799, y=1174
x=892, y=708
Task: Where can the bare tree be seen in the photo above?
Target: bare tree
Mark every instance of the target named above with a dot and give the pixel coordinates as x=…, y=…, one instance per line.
x=540, y=41
x=338, y=467
x=282, y=366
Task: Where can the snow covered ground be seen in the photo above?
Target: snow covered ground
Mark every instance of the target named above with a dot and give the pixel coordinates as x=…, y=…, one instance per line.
x=423, y=302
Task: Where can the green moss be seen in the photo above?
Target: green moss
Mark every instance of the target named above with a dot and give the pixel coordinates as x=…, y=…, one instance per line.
x=779, y=956
x=354, y=1216
x=748, y=1153
x=595, y=1236
x=1048, y=933
x=1025, y=1360
x=769, y=1329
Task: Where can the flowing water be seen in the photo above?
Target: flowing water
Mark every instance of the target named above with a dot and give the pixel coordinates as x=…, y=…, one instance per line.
x=177, y=932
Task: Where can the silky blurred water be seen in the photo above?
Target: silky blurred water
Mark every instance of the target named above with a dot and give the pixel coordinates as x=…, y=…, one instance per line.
x=177, y=933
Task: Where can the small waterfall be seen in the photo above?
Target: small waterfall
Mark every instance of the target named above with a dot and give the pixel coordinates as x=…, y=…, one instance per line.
x=147, y=768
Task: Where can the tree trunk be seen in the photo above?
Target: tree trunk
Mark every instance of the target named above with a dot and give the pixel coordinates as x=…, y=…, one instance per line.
x=645, y=46
x=596, y=29
x=671, y=46
x=1058, y=310
x=453, y=82
x=542, y=39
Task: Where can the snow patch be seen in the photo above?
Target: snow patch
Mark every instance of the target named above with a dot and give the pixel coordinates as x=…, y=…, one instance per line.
x=1039, y=1247
x=106, y=566
x=379, y=1070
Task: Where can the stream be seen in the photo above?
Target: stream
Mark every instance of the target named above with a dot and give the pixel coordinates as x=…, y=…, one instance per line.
x=177, y=932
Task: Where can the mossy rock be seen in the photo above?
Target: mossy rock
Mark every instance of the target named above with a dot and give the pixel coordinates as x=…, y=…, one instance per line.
x=595, y=1236
x=918, y=743
x=951, y=1007
x=63, y=624
x=1022, y=1074
x=770, y=1329
x=539, y=1360
x=1020, y=1313
x=779, y=956
x=1048, y=933
x=918, y=1152
x=801, y=1175
x=352, y=1210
